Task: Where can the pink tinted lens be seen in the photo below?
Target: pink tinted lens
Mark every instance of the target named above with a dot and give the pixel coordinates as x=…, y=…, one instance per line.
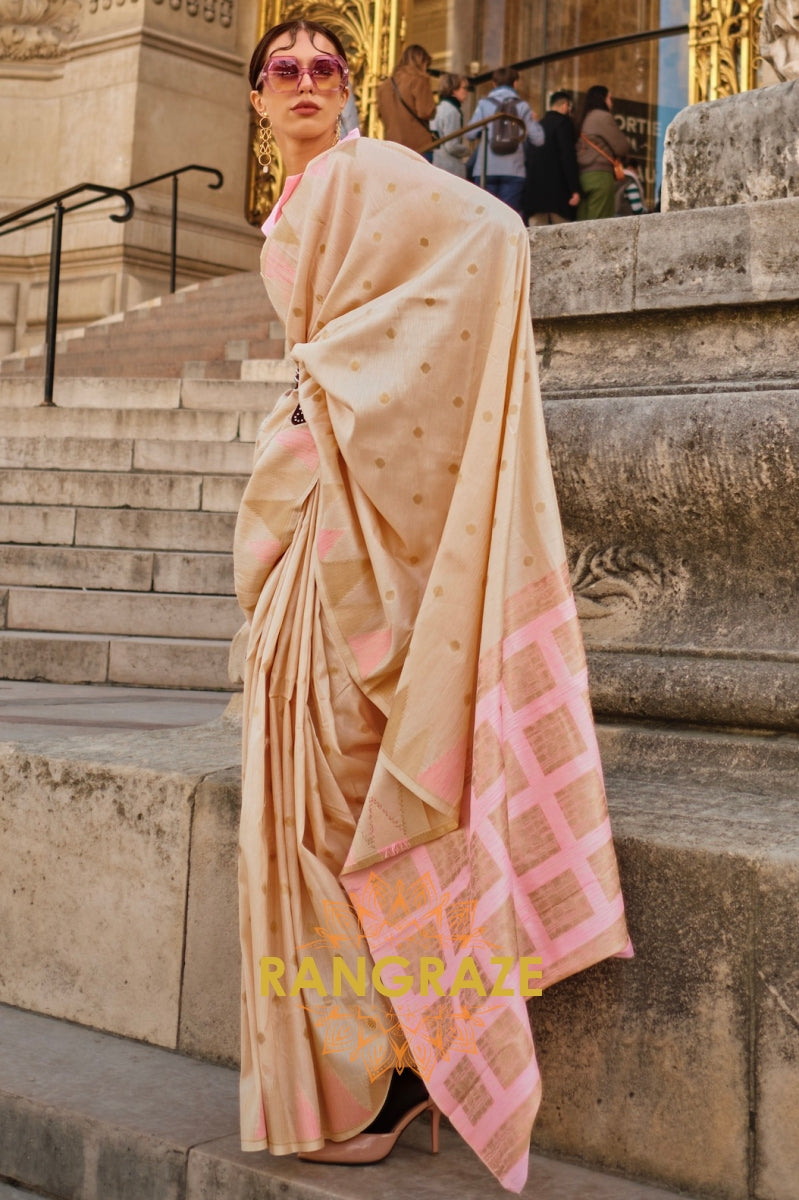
x=284, y=74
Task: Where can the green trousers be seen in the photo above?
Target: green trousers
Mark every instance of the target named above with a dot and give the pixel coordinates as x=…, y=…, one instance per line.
x=599, y=195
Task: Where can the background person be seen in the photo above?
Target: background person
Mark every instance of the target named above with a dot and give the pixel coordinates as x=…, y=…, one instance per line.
x=505, y=173
x=405, y=102
x=413, y=656
x=600, y=141
x=552, y=190
x=448, y=119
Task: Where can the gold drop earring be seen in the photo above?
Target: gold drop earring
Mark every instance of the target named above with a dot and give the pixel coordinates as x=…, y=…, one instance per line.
x=337, y=131
x=264, y=149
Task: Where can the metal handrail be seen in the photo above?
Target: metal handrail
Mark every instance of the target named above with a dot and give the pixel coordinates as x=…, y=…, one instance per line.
x=459, y=133
x=57, y=217
x=173, y=175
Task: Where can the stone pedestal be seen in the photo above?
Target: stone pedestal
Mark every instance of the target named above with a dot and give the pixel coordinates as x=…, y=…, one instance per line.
x=135, y=90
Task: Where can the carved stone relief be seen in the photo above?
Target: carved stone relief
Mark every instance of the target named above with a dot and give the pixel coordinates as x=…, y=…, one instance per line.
x=779, y=37
x=36, y=29
x=209, y=10
x=613, y=580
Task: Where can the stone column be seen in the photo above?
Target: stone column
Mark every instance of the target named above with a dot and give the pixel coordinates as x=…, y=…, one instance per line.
x=114, y=92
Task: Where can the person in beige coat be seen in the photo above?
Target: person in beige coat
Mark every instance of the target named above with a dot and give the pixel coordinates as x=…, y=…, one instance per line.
x=600, y=141
x=405, y=101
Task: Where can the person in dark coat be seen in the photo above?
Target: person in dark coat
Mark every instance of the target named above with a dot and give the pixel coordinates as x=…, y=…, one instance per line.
x=552, y=190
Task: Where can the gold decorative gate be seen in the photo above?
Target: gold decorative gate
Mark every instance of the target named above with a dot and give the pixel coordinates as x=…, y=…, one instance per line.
x=370, y=31
x=724, y=54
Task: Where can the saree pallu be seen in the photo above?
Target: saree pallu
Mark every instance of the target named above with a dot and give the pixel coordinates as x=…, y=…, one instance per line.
x=421, y=777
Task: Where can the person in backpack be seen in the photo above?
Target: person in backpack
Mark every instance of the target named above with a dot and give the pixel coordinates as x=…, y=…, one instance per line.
x=505, y=170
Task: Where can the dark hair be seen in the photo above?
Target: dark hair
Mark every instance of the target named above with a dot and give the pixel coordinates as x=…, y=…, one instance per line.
x=292, y=28
x=415, y=56
x=505, y=76
x=595, y=97
x=559, y=98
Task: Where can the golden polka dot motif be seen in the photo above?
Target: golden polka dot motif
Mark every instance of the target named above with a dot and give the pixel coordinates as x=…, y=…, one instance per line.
x=487, y=416
x=391, y=333
x=480, y=208
x=472, y=268
x=376, y=237
x=429, y=301
x=540, y=507
x=454, y=645
x=458, y=401
x=424, y=241
x=322, y=247
x=471, y=529
x=297, y=312
x=438, y=591
x=356, y=187
x=417, y=499
x=503, y=466
x=355, y=365
x=413, y=560
x=391, y=187
x=380, y=462
x=384, y=397
x=367, y=285
x=319, y=297
x=465, y=335
x=425, y=368
x=528, y=560
x=526, y=376
x=513, y=239
x=418, y=432
x=467, y=699
x=513, y=409
x=435, y=197
x=453, y=468
x=261, y=1038
x=390, y=594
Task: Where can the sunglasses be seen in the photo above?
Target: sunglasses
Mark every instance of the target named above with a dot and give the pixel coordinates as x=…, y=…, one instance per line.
x=328, y=73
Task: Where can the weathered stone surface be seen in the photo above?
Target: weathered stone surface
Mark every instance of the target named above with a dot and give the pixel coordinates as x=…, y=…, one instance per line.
x=111, y=454
x=210, y=1006
x=77, y=659
x=211, y=574
x=678, y=519
x=209, y=458
x=100, y=489
x=222, y=493
x=775, y=962
x=649, y=1063
x=175, y=424
x=36, y=525
x=95, y=865
x=73, y=566
x=158, y=662
x=147, y=614
x=737, y=150
x=117, y=393
x=154, y=529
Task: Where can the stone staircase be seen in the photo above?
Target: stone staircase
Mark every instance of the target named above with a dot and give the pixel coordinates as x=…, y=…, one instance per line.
x=118, y=504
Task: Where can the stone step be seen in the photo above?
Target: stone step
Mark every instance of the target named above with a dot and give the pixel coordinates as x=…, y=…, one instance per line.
x=116, y=394
x=86, y=1115
x=125, y=454
x=140, y=614
x=165, y=425
x=136, y=661
x=149, y=529
x=135, y=490
x=116, y=570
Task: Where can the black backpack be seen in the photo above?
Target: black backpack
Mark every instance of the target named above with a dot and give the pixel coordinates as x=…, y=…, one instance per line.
x=505, y=136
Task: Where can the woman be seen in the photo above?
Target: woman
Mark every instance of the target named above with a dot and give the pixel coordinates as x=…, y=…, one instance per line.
x=448, y=119
x=600, y=141
x=405, y=102
x=421, y=788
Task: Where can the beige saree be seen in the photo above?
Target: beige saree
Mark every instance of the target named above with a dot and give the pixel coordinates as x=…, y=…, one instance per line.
x=421, y=779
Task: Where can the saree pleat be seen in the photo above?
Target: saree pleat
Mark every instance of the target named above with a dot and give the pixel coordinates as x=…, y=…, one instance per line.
x=416, y=677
